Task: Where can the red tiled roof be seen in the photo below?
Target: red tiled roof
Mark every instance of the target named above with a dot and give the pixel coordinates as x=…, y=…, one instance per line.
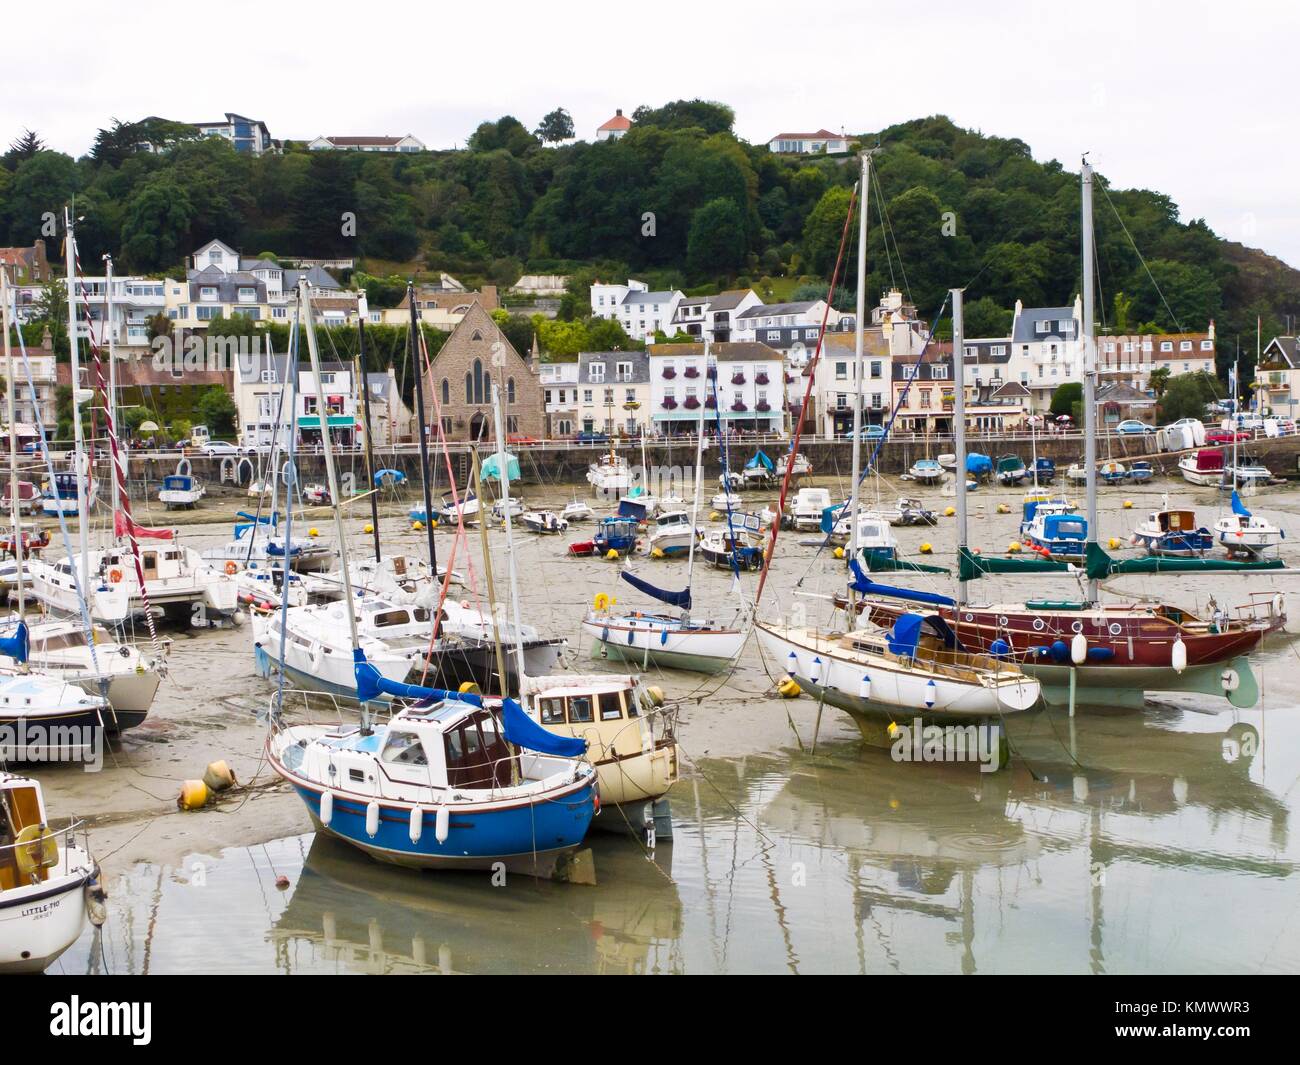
x=821, y=134
x=619, y=121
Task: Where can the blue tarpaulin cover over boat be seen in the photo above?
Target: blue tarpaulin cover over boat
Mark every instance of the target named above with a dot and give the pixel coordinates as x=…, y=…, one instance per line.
x=906, y=634
x=395, y=476
x=866, y=586
x=1238, y=507
x=760, y=459
x=18, y=645
x=491, y=468
x=679, y=599
x=977, y=463
x=519, y=728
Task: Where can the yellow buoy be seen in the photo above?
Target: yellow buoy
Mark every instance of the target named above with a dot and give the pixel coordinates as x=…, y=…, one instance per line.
x=1128, y=504
x=893, y=729
x=1003, y=509
x=219, y=776
x=656, y=552
x=948, y=512
x=656, y=694
x=416, y=526
x=368, y=529
x=601, y=602
x=612, y=555
x=1112, y=543
x=313, y=531
x=789, y=688
x=1013, y=548
x=193, y=796
x=714, y=516
x=838, y=552
x=926, y=548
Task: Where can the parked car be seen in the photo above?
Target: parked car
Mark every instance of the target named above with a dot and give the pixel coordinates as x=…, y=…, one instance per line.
x=586, y=437
x=219, y=449
x=1226, y=436
x=1132, y=425
x=519, y=440
x=870, y=432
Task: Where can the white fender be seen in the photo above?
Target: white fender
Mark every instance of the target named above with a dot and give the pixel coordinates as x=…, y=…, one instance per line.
x=442, y=824
x=864, y=688
x=1178, y=656
x=326, y=807
x=417, y=824
x=931, y=690
x=1079, y=649
x=815, y=674
x=372, y=819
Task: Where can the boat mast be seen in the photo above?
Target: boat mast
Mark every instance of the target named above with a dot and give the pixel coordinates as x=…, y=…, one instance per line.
x=363, y=384
x=959, y=429
x=414, y=346
x=1089, y=368
x=15, y=524
x=110, y=400
x=80, y=467
x=857, y=356
x=503, y=471
x=350, y=606
x=699, y=478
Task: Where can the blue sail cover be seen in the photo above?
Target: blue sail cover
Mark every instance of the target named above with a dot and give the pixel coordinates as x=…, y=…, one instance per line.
x=396, y=476
x=905, y=634
x=760, y=459
x=1238, y=507
x=18, y=645
x=679, y=599
x=866, y=586
x=491, y=468
x=519, y=728
x=830, y=515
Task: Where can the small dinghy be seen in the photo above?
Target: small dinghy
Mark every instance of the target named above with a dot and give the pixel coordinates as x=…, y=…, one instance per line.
x=544, y=522
x=577, y=511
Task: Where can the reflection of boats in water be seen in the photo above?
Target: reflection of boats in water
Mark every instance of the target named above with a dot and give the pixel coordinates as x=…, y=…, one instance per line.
x=364, y=918
x=957, y=870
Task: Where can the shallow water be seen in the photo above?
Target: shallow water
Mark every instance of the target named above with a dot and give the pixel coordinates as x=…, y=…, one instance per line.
x=1148, y=841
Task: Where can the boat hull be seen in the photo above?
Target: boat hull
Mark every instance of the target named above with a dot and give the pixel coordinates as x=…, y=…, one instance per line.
x=37, y=924
x=653, y=641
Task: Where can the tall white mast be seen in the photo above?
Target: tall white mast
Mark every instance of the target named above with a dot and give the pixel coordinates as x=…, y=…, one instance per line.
x=1089, y=357
x=111, y=401
x=503, y=471
x=349, y=604
x=14, y=522
x=81, y=468
x=959, y=427
x=857, y=356
x=699, y=478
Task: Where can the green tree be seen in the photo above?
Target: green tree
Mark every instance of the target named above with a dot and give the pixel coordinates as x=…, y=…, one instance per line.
x=155, y=230
x=217, y=411
x=1158, y=380
x=985, y=317
x=1185, y=396
x=716, y=243
x=822, y=231
x=1066, y=397
x=556, y=126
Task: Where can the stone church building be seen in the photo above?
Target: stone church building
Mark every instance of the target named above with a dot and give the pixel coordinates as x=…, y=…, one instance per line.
x=476, y=354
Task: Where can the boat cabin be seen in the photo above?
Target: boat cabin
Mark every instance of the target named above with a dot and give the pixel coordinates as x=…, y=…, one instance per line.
x=606, y=711
x=22, y=815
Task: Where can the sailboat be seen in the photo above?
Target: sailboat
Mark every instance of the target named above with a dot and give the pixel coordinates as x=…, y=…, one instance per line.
x=447, y=782
x=917, y=664
x=1244, y=534
x=672, y=641
x=1106, y=653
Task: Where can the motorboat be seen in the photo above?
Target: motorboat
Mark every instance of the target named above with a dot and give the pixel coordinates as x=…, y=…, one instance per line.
x=926, y=471
x=1141, y=472
x=1173, y=534
x=180, y=491
x=576, y=512
x=798, y=467
x=1245, y=472
x=728, y=501
x=610, y=475
x=543, y=522
x=1203, y=467
x=1010, y=471
x=907, y=511
x=808, y=507
x=671, y=534
x=515, y=507
x=61, y=496
x=49, y=882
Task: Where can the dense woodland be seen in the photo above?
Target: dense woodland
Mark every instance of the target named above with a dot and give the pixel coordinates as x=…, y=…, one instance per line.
x=679, y=201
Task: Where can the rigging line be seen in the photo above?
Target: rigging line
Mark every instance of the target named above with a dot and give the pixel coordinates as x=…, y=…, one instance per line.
x=1137, y=251
x=888, y=230
x=811, y=371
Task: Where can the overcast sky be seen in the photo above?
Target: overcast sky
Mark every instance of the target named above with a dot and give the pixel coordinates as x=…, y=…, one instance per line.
x=1198, y=100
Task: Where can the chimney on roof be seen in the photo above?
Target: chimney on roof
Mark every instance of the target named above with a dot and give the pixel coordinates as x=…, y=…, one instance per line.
x=618, y=112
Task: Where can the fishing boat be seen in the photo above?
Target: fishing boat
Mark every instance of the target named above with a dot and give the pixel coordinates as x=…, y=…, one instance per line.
x=1113, y=472
x=1088, y=650
x=1203, y=467
x=907, y=511
x=1173, y=534
x=672, y=641
x=577, y=512
x=1244, y=534
x=798, y=467
x=180, y=491
x=631, y=740
x=544, y=522
x=615, y=534
x=445, y=784
x=61, y=496
x=1010, y=471
x=926, y=471
x=1141, y=472
x=979, y=467
x=1056, y=532
x=671, y=534
x=49, y=883
x=1077, y=473
x=610, y=475
x=1044, y=472
x=809, y=506
x=734, y=545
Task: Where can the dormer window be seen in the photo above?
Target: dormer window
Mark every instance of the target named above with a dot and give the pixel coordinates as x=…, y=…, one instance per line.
x=208, y=292
x=214, y=256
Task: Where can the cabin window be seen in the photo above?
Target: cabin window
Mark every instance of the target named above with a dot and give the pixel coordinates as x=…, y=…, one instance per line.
x=404, y=748
x=474, y=758
x=356, y=775
x=392, y=617
x=580, y=710
x=552, y=711
x=611, y=707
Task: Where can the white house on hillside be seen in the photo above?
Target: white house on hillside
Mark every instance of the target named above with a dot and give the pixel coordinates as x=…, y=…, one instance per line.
x=808, y=143
x=640, y=311
x=408, y=143
x=613, y=129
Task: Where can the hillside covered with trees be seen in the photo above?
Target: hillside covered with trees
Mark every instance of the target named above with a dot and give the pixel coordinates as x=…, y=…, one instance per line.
x=679, y=201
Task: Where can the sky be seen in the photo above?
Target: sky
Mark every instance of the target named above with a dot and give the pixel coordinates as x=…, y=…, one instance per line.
x=1197, y=100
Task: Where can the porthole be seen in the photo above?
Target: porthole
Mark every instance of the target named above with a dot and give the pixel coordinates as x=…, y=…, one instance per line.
x=1038, y=625
x=1076, y=626
x=1115, y=628
x=1002, y=620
